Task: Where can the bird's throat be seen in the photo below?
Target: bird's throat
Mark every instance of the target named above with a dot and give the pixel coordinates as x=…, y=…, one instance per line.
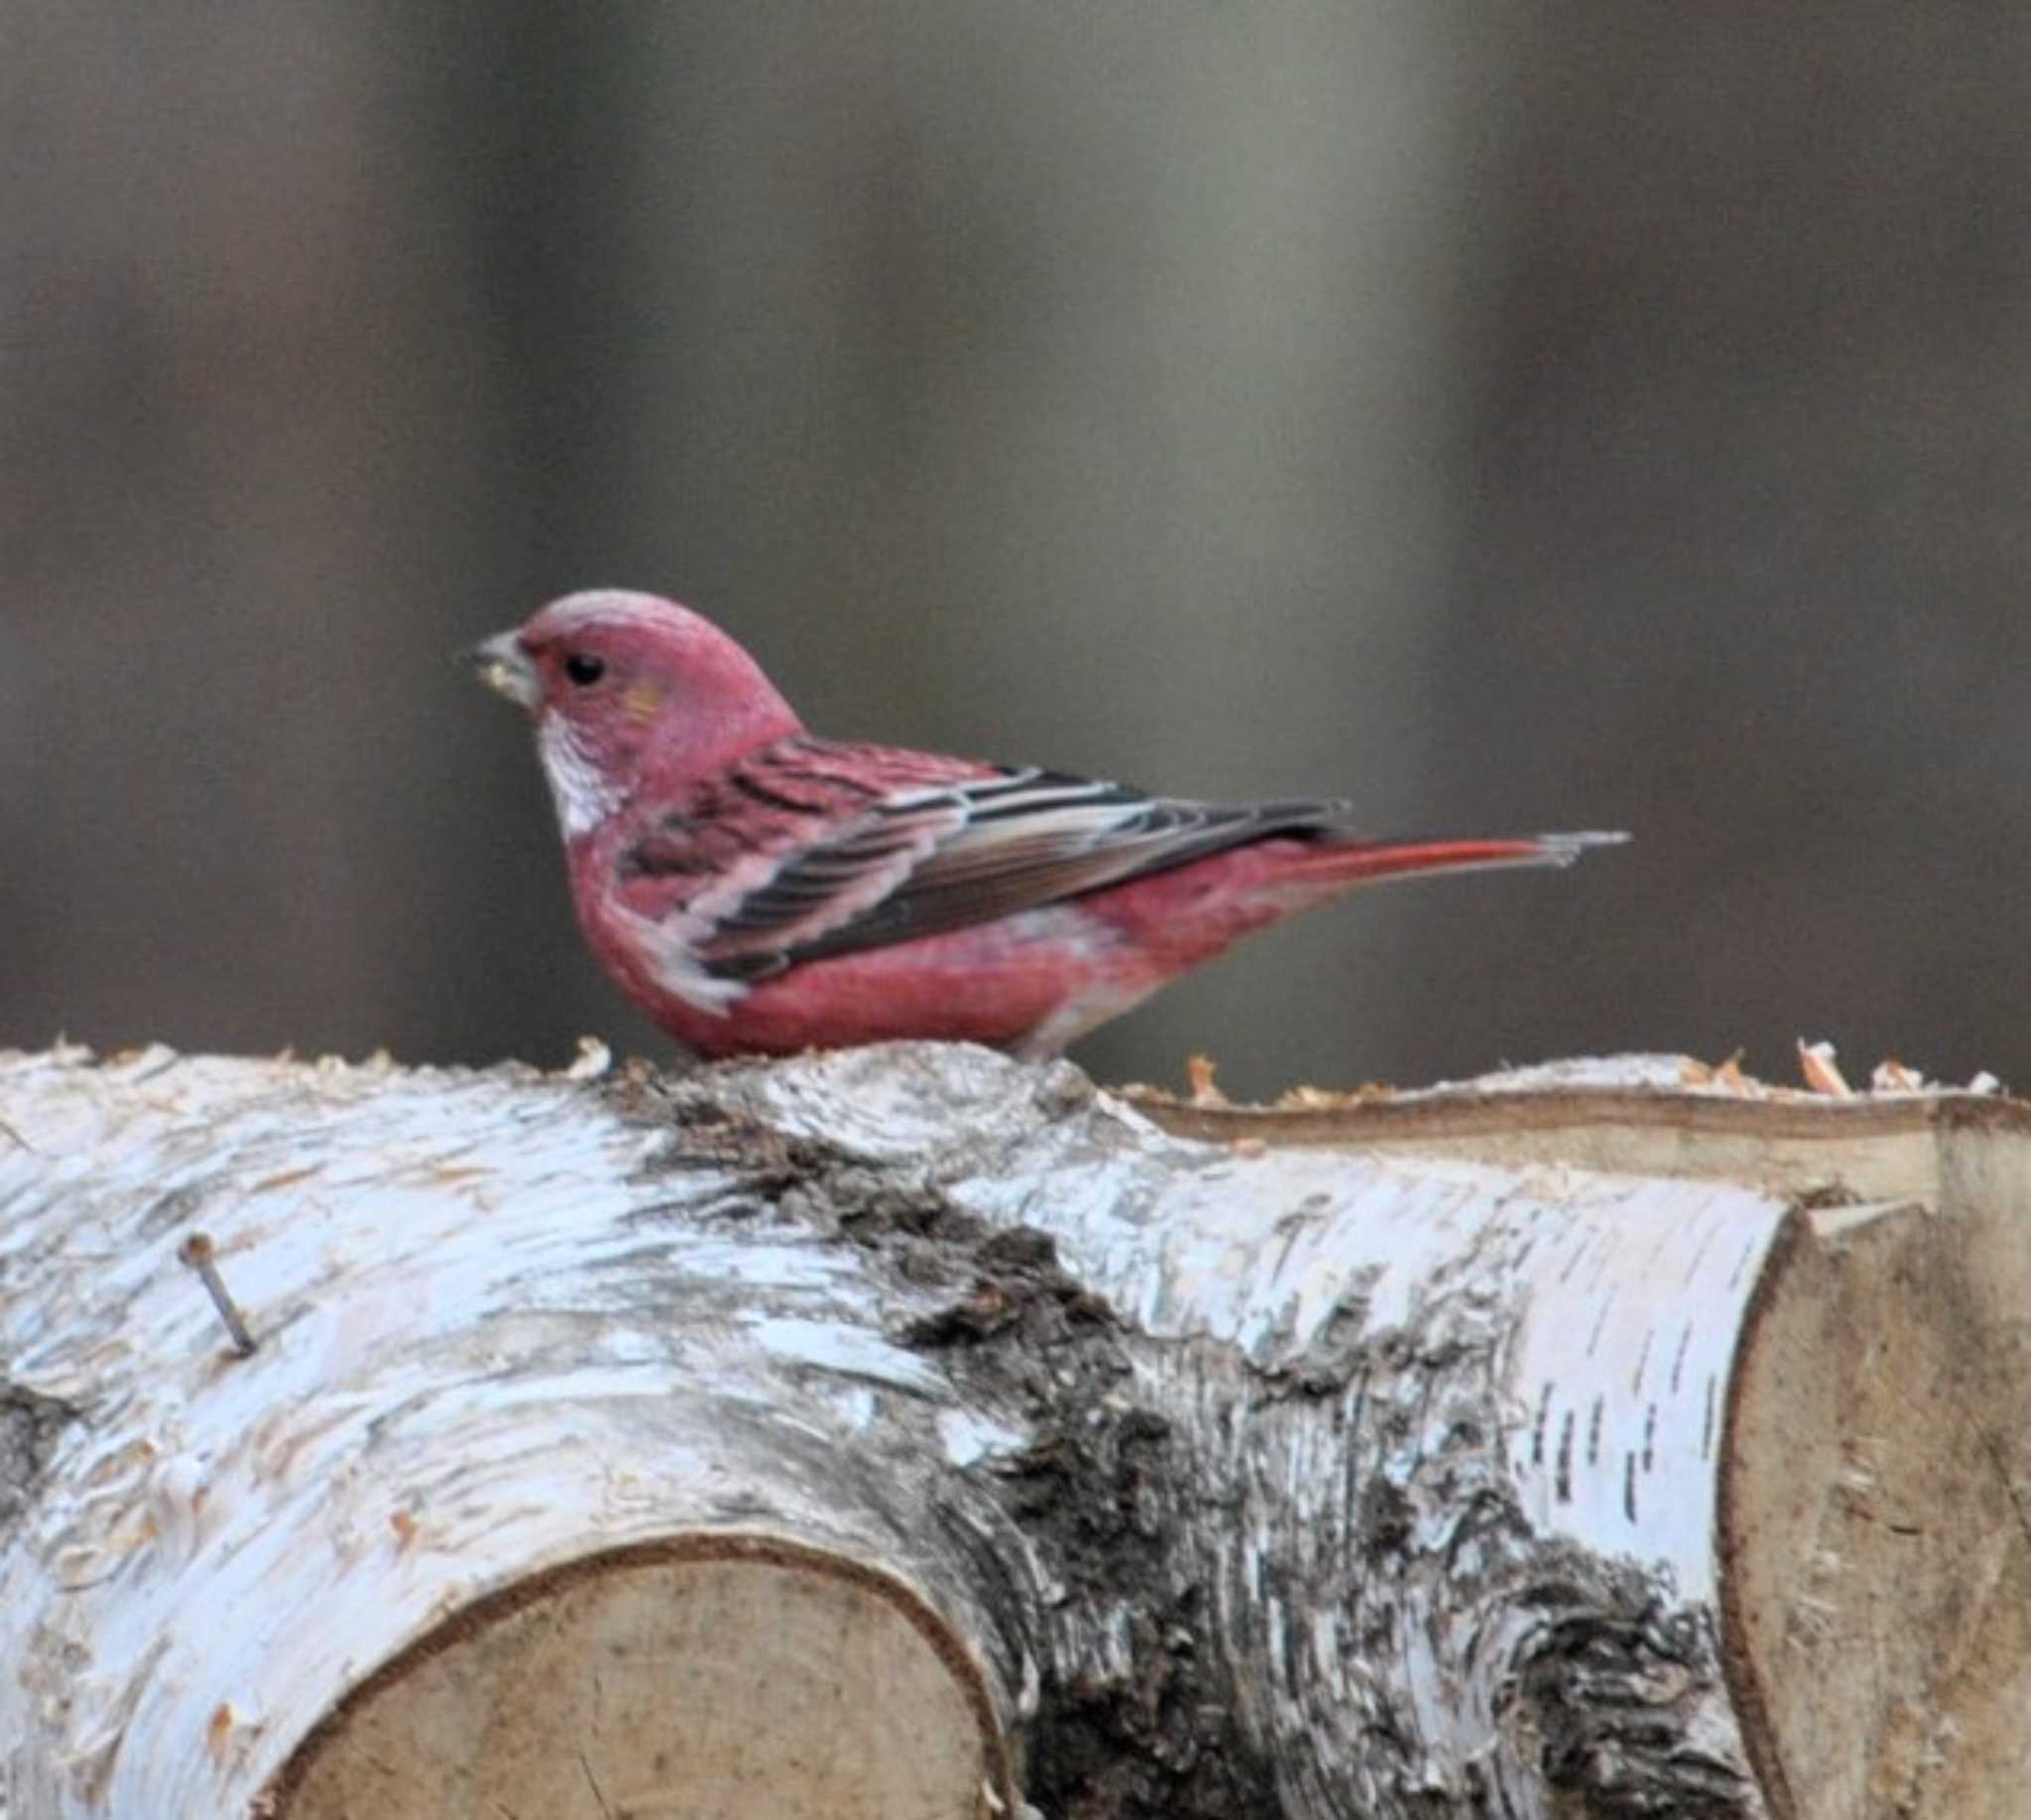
x=585, y=795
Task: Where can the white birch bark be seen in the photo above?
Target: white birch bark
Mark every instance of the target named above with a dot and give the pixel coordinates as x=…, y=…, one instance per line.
x=909, y=1432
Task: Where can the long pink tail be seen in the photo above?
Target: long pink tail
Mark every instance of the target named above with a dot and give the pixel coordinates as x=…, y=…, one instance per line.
x=1361, y=861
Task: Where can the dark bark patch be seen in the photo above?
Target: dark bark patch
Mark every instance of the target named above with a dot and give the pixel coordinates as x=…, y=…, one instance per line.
x=1604, y=1685
x=29, y=1423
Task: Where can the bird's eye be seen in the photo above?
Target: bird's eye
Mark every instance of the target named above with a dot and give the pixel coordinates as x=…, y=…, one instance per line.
x=584, y=669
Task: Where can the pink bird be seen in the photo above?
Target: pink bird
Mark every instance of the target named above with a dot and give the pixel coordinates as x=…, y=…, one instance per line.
x=758, y=890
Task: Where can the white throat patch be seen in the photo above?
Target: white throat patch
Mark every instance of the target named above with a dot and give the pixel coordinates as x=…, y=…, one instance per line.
x=584, y=799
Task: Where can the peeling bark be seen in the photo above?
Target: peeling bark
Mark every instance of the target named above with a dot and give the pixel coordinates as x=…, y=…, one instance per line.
x=908, y=1431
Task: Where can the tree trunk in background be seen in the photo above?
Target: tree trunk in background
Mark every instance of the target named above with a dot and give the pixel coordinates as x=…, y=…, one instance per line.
x=1078, y=386
x=905, y=1432
x=1608, y=416
x=266, y=408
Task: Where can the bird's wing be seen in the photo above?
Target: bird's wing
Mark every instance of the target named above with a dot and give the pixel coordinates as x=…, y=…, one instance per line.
x=936, y=855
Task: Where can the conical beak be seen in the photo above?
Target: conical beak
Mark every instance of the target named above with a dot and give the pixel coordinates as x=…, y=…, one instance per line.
x=505, y=667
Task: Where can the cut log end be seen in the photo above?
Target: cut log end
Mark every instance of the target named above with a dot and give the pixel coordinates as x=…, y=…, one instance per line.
x=762, y=1677
x=1878, y=1560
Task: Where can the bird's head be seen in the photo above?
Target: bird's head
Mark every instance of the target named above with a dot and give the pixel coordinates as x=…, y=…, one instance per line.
x=629, y=693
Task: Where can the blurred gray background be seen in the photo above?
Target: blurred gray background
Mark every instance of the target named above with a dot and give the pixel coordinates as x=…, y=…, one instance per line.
x=1513, y=417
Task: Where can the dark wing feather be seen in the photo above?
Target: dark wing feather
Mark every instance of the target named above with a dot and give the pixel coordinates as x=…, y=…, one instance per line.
x=971, y=852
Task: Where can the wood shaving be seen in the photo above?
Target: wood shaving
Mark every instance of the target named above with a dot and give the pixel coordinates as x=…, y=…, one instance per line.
x=1325, y=1099
x=1822, y=1073
x=1199, y=1071
x=1729, y=1078
x=1894, y=1077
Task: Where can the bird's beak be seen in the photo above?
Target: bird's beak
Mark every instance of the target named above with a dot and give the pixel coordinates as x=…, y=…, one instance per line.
x=505, y=667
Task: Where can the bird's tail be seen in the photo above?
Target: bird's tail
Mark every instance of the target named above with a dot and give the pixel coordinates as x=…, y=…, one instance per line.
x=1364, y=861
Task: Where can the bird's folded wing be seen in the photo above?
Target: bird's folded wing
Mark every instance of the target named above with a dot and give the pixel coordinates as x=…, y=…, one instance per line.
x=936, y=857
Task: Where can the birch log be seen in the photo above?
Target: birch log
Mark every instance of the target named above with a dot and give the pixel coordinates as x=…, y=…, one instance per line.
x=909, y=1432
